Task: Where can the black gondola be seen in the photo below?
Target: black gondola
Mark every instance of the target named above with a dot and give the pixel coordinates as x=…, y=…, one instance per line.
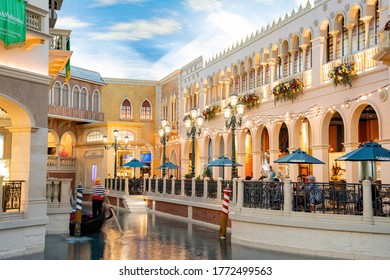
x=90, y=225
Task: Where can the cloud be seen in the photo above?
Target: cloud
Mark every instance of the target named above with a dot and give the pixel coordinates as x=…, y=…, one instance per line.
x=204, y=5
x=105, y=3
x=71, y=23
x=138, y=30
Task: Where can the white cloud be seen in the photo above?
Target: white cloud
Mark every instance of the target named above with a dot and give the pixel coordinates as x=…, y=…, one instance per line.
x=71, y=23
x=204, y=5
x=138, y=30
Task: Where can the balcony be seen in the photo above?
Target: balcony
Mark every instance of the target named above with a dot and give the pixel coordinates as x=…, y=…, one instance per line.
x=35, y=34
x=384, y=47
x=56, y=163
x=75, y=114
x=363, y=61
x=58, y=53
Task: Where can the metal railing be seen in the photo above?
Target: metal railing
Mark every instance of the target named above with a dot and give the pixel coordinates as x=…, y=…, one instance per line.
x=263, y=195
x=12, y=193
x=336, y=198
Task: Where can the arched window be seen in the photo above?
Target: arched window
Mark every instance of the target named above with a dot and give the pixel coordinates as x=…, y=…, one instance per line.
x=84, y=99
x=65, y=95
x=260, y=76
x=345, y=40
x=146, y=111
x=56, y=94
x=94, y=136
x=374, y=25
x=251, y=79
x=126, y=109
x=76, y=97
x=329, y=43
x=96, y=101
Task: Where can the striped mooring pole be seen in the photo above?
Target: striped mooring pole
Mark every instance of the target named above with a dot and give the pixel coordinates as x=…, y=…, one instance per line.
x=225, y=212
x=79, y=210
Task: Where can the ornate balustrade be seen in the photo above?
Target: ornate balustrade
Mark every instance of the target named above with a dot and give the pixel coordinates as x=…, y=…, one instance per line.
x=363, y=61
x=61, y=163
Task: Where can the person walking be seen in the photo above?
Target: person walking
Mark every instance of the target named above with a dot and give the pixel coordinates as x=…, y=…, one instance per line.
x=98, y=192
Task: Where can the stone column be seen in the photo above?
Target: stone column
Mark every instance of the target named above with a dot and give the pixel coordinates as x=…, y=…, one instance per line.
x=334, y=33
x=318, y=51
x=352, y=175
x=320, y=171
x=256, y=164
x=29, y=146
x=1, y=193
x=350, y=30
x=240, y=193
x=304, y=49
x=366, y=21
x=368, y=211
x=287, y=189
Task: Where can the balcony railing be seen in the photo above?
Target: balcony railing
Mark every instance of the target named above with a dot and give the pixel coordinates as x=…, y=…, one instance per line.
x=337, y=198
x=11, y=195
x=76, y=113
x=34, y=21
x=61, y=163
x=59, y=39
x=363, y=61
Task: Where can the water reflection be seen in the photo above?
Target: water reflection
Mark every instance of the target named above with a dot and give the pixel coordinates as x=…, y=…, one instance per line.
x=150, y=237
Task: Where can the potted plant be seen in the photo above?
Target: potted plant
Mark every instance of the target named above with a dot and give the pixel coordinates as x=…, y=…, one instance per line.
x=206, y=173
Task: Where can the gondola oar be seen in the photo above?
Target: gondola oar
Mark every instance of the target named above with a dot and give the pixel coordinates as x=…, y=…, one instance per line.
x=115, y=217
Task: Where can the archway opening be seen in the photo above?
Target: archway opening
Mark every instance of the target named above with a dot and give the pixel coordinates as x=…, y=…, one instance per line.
x=368, y=131
x=336, y=148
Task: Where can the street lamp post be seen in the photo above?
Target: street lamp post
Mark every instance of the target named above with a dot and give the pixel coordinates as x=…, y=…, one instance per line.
x=164, y=131
x=193, y=123
x=116, y=146
x=233, y=113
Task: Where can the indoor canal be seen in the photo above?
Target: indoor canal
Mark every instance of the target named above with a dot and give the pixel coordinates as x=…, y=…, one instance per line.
x=153, y=237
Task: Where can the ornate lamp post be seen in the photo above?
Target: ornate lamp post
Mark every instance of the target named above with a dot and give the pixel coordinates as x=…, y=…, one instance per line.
x=193, y=123
x=116, y=146
x=164, y=131
x=233, y=113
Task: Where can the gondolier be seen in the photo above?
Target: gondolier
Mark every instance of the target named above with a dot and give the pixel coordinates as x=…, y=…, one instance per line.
x=98, y=191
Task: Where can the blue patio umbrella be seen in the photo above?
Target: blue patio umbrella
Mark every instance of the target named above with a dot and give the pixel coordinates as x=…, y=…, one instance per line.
x=222, y=161
x=300, y=157
x=134, y=163
x=370, y=152
x=169, y=165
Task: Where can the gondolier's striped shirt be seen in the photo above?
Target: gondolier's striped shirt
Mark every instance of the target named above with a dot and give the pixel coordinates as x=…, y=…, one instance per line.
x=98, y=192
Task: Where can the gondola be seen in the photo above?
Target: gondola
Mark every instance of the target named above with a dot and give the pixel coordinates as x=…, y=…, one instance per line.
x=89, y=225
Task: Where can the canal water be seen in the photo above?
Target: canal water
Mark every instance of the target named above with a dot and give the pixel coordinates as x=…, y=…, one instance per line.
x=154, y=237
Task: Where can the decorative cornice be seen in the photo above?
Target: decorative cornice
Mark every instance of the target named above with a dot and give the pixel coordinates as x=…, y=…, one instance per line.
x=130, y=82
x=24, y=75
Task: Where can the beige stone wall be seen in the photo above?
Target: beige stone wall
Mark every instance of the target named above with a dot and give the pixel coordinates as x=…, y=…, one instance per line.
x=114, y=94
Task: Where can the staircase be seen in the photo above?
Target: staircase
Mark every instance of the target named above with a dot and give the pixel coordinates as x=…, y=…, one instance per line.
x=135, y=203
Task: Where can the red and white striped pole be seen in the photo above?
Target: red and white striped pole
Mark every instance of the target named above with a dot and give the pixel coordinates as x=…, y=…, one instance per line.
x=225, y=212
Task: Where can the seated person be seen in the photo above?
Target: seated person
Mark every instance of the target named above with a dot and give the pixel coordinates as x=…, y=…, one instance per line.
x=315, y=193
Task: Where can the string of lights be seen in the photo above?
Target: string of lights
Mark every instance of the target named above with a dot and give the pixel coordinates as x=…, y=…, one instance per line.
x=313, y=111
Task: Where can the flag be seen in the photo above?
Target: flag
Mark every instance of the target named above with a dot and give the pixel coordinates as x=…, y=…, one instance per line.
x=67, y=67
x=12, y=23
